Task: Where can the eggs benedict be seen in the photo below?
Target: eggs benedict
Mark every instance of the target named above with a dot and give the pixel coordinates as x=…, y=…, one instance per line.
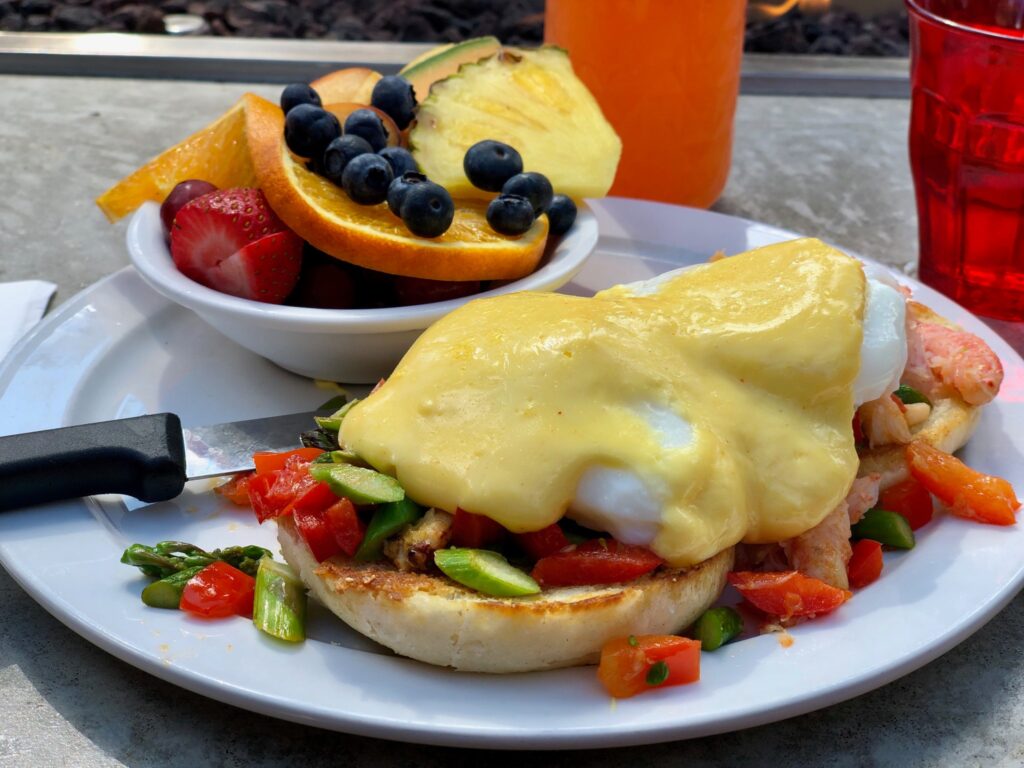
x=687, y=414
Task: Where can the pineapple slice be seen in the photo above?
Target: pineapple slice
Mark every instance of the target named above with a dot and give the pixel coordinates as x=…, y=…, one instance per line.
x=529, y=99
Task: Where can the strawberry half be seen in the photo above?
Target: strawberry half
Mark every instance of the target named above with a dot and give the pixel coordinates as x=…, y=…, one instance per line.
x=230, y=240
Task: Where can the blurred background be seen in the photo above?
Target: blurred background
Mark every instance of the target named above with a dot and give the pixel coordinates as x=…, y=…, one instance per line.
x=822, y=27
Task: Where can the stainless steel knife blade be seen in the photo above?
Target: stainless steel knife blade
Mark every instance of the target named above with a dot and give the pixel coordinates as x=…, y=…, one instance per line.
x=226, y=449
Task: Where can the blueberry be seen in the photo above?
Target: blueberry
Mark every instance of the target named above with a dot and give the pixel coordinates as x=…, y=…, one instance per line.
x=367, y=124
x=298, y=93
x=535, y=187
x=366, y=179
x=308, y=130
x=561, y=215
x=340, y=152
x=398, y=188
x=427, y=209
x=400, y=160
x=489, y=164
x=394, y=95
x=510, y=214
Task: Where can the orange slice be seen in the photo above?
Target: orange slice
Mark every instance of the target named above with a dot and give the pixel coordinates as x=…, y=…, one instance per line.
x=370, y=235
x=217, y=154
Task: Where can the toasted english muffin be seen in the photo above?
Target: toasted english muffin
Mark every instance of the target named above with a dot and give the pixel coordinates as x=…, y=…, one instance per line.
x=430, y=618
x=948, y=427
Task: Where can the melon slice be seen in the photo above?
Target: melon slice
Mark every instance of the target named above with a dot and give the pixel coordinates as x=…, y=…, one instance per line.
x=354, y=84
x=444, y=61
x=529, y=99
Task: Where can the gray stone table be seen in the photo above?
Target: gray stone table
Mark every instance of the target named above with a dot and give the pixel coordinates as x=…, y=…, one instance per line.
x=836, y=168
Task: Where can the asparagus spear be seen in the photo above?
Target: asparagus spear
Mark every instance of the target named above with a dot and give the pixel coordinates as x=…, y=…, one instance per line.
x=166, y=592
x=279, y=607
x=168, y=557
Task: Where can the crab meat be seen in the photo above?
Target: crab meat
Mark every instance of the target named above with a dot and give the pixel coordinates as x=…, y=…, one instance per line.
x=824, y=551
x=942, y=359
x=883, y=422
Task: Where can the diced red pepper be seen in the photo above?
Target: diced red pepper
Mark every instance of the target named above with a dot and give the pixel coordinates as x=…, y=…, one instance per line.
x=236, y=490
x=259, y=490
x=217, y=591
x=598, y=561
x=965, y=492
x=317, y=533
x=274, y=461
x=315, y=498
x=788, y=593
x=627, y=662
x=910, y=499
x=475, y=531
x=272, y=492
x=865, y=565
x=346, y=527
x=546, y=541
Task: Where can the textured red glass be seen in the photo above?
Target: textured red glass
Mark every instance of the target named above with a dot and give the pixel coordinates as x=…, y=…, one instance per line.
x=967, y=150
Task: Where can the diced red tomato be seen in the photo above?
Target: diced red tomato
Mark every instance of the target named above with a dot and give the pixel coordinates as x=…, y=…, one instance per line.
x=285, y=485
x=346, y=527
x=865, y=565
x=626, y=663
x=217, y=591
x=546, y=541
x=259, y=490
x=910, y=499
x=598, y=561
x=316, y=498
x=788, y=593
x=967, y=493
x=317, y=533
x=236, y=490
x=475, y=531
x=273, y=461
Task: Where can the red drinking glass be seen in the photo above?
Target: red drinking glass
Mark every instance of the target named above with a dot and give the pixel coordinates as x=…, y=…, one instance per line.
x=967, y=149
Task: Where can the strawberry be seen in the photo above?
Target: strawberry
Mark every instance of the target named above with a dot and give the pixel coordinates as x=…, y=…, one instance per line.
x=230, y=240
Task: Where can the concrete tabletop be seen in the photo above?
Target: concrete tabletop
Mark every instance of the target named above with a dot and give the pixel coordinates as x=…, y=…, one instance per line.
x=835, y=168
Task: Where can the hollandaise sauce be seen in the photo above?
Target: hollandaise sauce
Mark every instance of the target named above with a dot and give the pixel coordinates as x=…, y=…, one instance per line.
x=725, y=393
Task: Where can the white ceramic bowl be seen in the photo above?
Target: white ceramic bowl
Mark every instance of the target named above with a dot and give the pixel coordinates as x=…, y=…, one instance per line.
x=357, y=346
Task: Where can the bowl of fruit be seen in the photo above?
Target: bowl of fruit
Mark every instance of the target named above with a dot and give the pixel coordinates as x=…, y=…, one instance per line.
x=327, y=231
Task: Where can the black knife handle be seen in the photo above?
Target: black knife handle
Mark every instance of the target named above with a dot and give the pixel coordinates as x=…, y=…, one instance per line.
x=143, y=456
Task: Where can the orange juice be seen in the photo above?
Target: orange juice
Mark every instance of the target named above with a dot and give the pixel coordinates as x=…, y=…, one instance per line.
x=666, y=73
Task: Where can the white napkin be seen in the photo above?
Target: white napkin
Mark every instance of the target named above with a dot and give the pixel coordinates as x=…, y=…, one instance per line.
x=22, y=304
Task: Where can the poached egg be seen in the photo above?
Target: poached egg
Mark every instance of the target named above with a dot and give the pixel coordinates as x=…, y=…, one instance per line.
x=686, y=413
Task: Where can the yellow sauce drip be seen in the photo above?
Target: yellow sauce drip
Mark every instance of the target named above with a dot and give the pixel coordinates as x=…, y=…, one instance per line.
x=501, y=406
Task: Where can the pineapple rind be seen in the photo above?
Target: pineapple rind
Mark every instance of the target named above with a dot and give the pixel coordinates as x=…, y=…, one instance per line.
x=531, y=100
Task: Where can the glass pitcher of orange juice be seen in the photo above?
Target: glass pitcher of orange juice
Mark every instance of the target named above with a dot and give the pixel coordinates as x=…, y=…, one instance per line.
x=666, y=73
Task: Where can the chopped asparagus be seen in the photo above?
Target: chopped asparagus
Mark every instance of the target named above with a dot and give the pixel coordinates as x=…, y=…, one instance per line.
x=279, y=607
x=332, y=423
x=169, y=557
x=387, y=520
x=361, y=485
x=166, y=592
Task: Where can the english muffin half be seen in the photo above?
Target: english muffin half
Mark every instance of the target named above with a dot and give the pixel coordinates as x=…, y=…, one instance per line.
x=427, y=617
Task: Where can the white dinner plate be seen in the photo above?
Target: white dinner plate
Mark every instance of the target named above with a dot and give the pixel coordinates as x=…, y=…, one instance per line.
x=118, y=349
